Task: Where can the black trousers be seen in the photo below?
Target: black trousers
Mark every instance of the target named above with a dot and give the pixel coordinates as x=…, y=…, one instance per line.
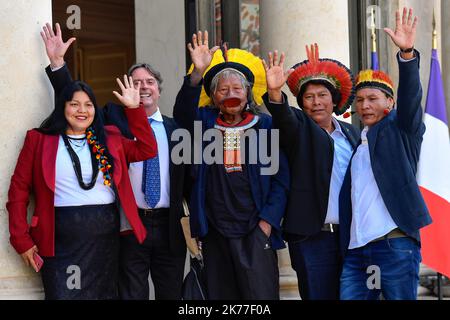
x=154, y=257
x=240, y=268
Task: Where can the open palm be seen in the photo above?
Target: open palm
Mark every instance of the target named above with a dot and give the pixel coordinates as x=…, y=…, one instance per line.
x=54, y=45
x=201, y=55
x=130, y=96
x=276, y=77
x=404, y=35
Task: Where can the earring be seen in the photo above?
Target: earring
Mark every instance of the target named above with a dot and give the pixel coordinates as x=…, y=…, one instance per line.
x=348, y=114
x=386, y=111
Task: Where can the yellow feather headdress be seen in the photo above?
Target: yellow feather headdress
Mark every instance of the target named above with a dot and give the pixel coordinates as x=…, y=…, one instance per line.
x=244, y=62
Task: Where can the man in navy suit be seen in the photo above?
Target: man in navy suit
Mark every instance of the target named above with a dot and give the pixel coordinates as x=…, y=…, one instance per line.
x=319, y=148
x=158, y=196
x=381, y=207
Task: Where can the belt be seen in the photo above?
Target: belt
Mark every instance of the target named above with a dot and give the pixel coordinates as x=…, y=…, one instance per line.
x=329, y=227
x=152, y=212
x=396, y=233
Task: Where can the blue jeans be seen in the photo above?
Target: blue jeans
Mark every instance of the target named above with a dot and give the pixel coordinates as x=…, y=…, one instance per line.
x=389, y=266
x=318, y=264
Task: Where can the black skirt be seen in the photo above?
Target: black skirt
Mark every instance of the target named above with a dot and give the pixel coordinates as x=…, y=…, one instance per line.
x=85, y=265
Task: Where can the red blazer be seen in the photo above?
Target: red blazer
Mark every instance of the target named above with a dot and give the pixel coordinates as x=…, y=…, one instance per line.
x=35, y=172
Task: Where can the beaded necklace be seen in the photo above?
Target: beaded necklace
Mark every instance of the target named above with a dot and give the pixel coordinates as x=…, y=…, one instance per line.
x=99, y=151
x=98, y=159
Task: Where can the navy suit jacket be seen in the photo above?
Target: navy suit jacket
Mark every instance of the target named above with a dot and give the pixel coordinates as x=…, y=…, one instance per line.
x=394, y=146
x=179, y=186
x=269, y=192
x=310, y=151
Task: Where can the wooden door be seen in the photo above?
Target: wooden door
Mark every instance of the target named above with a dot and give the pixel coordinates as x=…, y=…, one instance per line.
x=105, y=46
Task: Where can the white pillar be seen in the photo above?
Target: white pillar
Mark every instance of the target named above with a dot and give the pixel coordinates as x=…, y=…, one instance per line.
x=424, y=11
x=26, y=99
x=160, y=41
x=289, y=25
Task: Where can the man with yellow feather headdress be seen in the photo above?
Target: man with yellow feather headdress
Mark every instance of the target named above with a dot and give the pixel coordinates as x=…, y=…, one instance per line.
x=236, y=211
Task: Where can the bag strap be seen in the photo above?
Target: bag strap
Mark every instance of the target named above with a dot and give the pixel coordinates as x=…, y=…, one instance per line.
x=192, y=244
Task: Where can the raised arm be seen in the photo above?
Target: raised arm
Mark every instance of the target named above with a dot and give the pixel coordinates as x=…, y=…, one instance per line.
x=201, y=56
x=186, y=104
x=276, y=101
x=144, y=147
x=409, y=89
x=276, y=77
x=56, y=49
x=54, y=45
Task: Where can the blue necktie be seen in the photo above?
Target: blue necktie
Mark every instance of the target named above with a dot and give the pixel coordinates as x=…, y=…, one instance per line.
x=151, y=183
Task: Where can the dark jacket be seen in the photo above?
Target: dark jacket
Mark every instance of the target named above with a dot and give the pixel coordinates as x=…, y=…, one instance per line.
x=114, y=114
x=310, y=151
x=269, y=192
x=394, y=146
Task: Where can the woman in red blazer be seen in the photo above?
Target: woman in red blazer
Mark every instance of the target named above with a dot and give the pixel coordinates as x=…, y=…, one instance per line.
x=77, y=170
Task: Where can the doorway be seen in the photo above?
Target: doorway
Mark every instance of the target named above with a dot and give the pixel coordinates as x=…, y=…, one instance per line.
x=105, y=46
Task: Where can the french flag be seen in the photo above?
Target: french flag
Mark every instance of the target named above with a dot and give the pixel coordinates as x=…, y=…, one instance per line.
x=433, y=174
x=374, y=65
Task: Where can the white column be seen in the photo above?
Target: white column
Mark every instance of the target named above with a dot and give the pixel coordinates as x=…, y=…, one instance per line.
x=26, y=99
x=160, y=41
x=289, y=25
x=424, y=11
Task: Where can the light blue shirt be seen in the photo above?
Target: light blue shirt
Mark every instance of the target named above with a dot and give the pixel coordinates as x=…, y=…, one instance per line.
x=371, y=218
x=342, y=153
x=136, y=168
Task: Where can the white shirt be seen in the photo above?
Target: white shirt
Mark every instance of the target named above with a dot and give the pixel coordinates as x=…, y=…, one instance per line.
x=342, y=153
x=67, y=189
x=371, y=219
x=136, y=169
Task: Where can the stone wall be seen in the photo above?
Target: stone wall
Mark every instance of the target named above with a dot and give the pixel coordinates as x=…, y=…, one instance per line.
x=26, y=98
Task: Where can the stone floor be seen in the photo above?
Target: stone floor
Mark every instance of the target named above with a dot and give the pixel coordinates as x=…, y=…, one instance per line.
x=426, y=291
x=428, y=285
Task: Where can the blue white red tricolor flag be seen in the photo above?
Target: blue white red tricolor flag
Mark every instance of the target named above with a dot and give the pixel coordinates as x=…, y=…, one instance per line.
x=433, y=174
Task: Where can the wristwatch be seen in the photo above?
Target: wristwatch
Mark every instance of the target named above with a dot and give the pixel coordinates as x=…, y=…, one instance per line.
x=407, y=50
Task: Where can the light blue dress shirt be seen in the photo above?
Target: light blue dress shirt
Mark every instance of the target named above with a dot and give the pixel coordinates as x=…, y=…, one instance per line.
x=136, y=168
x=342, y=153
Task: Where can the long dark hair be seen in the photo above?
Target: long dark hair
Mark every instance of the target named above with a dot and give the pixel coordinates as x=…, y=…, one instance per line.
x=56, y=123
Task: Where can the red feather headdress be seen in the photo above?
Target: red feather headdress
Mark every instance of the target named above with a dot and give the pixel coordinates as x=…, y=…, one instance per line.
x=329, y=70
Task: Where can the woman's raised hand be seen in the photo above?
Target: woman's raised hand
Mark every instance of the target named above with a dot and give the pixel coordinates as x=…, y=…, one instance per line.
x=130, y=96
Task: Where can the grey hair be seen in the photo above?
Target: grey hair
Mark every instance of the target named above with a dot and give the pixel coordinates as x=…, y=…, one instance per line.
x=228, y=73
x=225, y=74
x=150, y=69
